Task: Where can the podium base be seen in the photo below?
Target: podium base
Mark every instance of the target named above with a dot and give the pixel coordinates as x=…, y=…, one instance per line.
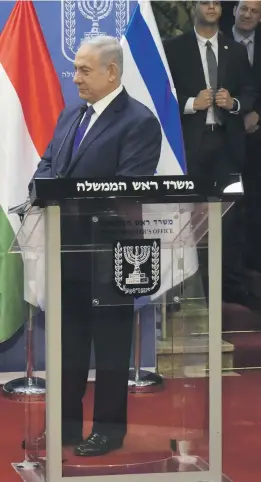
x=35, y=471
x=144, y=381
x=20, y=388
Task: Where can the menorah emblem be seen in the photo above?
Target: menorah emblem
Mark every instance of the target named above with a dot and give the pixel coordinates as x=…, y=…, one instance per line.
x=95, y=11
x=136, y=256
x=135, y=253
x=81, y=19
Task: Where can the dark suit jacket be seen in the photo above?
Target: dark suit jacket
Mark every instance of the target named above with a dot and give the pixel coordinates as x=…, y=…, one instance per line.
x=255, y=69
x=234, y=74
x=252, y=170
x=125, y=140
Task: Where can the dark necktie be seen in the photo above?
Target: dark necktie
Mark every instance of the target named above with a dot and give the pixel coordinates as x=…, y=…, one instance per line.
x=80, y=132
x=247, y=42
x=213, y=77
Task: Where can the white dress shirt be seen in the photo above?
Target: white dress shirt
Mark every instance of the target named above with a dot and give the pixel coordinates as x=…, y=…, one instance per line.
x=100, y=106
x=203, y=54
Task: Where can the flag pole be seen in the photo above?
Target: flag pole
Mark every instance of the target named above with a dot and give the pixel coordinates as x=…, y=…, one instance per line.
x=20, y=388
x=164, y=317
x=142, y=381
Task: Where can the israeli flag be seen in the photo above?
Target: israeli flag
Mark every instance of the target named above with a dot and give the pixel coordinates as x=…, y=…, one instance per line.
x=147, y=78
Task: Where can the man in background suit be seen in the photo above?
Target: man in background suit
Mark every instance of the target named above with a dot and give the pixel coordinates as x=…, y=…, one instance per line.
x=212, y=77
x=247, y=32
x=116, y=136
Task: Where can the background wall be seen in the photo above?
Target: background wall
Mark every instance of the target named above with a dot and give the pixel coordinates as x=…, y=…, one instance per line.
x=64, y=24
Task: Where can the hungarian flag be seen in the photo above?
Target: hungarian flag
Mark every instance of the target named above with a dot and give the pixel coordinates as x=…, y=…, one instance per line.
x=30, y=103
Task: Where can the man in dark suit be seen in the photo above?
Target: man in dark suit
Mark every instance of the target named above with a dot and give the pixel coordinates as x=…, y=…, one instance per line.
x=212, y=77
x=116, y=136
x=246, y=31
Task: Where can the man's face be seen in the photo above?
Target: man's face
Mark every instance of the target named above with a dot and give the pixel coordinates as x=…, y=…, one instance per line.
x=247, y=16
x=92, y=77
x=208, y=13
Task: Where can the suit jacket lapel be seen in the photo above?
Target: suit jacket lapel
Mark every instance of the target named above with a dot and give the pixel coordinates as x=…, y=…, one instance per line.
x=257, y=52
x=196, y=62
x=63, y=157
x=107, y=117
x=103, y=121
x=222, y=60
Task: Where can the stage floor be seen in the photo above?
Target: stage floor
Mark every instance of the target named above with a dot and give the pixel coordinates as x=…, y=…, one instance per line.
x=156, y=419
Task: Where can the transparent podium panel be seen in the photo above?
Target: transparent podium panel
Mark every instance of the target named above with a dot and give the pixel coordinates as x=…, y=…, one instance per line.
x=131, y=289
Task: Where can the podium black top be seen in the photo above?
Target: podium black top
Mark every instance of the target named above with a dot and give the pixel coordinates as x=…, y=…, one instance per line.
x=153, y=189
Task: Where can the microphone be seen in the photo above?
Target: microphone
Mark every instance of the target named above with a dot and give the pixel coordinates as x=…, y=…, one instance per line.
x=83, y=109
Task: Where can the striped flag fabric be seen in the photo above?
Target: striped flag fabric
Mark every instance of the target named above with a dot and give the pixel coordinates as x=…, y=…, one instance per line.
x=30, y=103
x=147, y=78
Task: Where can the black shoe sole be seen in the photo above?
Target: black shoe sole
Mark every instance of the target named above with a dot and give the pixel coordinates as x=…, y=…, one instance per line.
x=98, y=453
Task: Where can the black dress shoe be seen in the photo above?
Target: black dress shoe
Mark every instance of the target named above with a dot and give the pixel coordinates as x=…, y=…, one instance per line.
x=98, y=444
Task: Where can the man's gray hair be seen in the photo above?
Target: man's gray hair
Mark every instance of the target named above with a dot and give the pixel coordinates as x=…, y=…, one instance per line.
x=110, y=50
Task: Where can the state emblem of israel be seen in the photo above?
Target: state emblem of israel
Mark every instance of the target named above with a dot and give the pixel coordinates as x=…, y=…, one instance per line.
x=87, y=19
x=137, y=267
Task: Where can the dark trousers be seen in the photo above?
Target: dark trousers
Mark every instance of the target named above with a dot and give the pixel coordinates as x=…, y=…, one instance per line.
x=214, y=164
x=211, y=161
x=110, y=330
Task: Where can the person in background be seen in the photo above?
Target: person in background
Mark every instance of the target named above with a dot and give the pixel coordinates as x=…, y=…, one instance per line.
x=212, y=77
x=246, y=31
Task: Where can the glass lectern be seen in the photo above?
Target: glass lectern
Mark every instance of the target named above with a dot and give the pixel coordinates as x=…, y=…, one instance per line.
x=137, y=246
